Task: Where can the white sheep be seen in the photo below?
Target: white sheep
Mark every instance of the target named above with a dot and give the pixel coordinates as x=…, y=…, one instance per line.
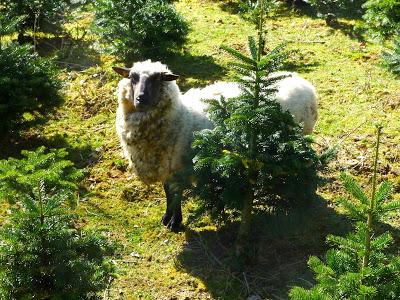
x=156, y=128
x=155, y=122
x=294, y=94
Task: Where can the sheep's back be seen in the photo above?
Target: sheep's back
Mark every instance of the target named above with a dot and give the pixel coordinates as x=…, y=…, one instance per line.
x=295, y=94
x=299, y=97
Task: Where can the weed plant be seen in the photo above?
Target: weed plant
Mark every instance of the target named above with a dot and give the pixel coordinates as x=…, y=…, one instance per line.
x=382, y=18
x=391, y=57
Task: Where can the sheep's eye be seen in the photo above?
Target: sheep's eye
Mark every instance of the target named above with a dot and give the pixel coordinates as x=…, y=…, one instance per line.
x=134, y=77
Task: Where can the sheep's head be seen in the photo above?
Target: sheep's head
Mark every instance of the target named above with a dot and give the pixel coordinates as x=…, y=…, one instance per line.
x=146, y=83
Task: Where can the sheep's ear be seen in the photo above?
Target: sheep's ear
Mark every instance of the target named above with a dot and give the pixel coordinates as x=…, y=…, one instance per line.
x=122, y=71
x=169, y=76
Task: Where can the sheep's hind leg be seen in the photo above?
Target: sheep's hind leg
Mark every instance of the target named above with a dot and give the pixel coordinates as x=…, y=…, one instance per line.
x=168, y=213
x=173, y=214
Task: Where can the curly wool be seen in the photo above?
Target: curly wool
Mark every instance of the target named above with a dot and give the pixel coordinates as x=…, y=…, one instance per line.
x=157, y=141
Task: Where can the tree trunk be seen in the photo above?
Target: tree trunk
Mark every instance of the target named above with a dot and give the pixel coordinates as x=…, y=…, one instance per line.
x=242, y=241
x=370, y=220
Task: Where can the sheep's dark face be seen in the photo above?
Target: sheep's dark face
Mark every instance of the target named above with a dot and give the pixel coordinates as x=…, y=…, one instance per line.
x=146, y=90
x=146, y=86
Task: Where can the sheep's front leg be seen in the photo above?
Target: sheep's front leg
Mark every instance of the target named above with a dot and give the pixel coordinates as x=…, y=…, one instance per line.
x=173, y=214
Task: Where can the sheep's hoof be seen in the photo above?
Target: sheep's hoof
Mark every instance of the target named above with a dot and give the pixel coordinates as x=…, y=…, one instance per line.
x=166, y=219
x=174, y=227
x=175, y=224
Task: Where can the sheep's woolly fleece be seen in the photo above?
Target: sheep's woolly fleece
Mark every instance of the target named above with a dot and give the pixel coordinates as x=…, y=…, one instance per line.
x=295, y=94
x=156, y=142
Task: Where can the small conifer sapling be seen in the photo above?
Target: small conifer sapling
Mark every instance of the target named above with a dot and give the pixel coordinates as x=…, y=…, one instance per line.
x=43, y=255
x=359, y=266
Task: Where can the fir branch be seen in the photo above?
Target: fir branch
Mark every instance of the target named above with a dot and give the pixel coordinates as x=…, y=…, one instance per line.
x=239, y=56
x=354, y=189
x=384, y=192
x=357, y=212
x=391, y=206
x=252, y=47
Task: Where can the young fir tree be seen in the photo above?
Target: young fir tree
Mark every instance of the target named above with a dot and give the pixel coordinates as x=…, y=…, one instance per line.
x=256, y=154
x=38, y=15
x=360, y=265
x=28, y=83
x=18, y=177
x=44, y=256
x=138, y=29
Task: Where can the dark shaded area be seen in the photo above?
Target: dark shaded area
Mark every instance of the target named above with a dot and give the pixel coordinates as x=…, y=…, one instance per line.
x=202, y=68
x=349, y=30
x=70, y=53
x=352, y=11
x=231, y=6
x=286, y=7
x=282, y=243
x=29, y=89
x=13, y=144
x=300, y=66
x=302, y=8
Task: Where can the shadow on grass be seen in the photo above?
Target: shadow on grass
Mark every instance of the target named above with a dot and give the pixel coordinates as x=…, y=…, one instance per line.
x=285, y=8
x=282, y=243
x=352, y=11
x=348, y=29
x=232, y=7
x=300, y=67
x=302, y=8
x=82, y=155
x=194, y=71
x=71, y=54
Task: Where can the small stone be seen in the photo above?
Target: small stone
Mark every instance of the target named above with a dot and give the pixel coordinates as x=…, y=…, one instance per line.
x=135, y=254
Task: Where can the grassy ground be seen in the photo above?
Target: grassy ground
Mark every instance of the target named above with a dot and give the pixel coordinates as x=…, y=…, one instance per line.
x=196, y=264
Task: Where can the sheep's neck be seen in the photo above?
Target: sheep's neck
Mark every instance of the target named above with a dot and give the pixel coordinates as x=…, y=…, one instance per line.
x=150, y=135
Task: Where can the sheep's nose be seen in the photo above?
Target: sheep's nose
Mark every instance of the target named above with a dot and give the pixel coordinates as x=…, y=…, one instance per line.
x=140, y=98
